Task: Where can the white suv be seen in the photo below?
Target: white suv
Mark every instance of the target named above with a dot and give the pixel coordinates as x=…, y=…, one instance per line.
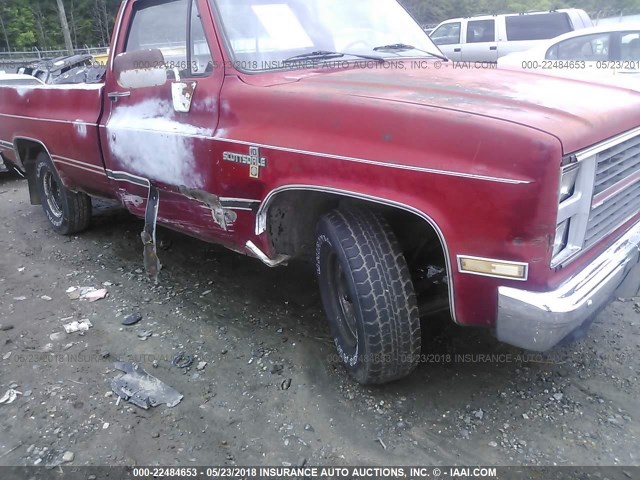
x=488, y=37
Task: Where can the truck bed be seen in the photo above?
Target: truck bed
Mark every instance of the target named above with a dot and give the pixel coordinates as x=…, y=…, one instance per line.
x=67, y=116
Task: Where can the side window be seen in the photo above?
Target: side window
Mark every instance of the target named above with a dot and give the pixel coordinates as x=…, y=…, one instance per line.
x=162, y=25
x=165, y=25
x=447, y=34
x=587, y=47
x=537, y=26
x=552, y=53
x=479, y=31
x=201, y=61
x=630, y=46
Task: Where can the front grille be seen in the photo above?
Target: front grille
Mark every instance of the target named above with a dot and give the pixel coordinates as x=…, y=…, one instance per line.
x=612, y=213
x=617, y=163
x=614, y=165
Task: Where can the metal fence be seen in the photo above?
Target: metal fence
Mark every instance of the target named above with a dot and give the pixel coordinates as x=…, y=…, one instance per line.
x=11, y=60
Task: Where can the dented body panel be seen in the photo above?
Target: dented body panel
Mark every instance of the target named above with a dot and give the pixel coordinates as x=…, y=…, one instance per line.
x=476, y=155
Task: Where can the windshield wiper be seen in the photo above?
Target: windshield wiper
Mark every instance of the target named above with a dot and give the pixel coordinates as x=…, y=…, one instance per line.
x=328, y=54
x=404, y=46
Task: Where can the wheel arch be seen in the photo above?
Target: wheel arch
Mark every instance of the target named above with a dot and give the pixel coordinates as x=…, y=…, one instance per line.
x=326, y=198
x=27, y=150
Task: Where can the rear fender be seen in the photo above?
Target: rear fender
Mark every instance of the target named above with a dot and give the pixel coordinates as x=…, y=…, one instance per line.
x=27, y=150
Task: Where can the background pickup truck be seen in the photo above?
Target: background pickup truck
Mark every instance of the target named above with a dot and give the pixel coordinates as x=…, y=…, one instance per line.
x=507, y=198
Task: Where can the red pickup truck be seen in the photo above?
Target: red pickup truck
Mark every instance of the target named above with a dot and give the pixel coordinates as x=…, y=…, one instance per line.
x=335, y=131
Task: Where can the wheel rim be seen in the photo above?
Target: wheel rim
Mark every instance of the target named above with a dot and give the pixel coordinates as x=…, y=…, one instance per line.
x=53, y=194
x=345, y=310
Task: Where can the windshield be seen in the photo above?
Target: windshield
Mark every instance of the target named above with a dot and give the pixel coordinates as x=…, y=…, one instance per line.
x=262, y=34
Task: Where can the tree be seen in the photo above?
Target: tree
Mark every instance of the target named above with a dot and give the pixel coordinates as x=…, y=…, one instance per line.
x=65, y=27
x=4, y=31
x=41, y=23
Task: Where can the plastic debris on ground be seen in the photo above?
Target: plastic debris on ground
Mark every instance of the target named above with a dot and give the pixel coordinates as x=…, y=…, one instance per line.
x=132, y=319
x=86, y=293
x=142, y=389
x=9, y=397
x=201, y=365
x=81, y=326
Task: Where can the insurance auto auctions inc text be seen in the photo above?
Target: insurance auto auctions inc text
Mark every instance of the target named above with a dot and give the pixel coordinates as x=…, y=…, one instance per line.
x=377, y=472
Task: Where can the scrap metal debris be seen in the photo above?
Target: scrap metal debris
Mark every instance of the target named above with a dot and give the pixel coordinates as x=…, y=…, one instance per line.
x=152, y=263
x=182, y=360
x=142, y=389
x=9, y=397
x=221, y=216
x=55, y=457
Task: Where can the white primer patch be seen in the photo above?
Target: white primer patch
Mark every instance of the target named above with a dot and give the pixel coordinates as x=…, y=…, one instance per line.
x=22, y=91
x=80, y=128
x=147, y=141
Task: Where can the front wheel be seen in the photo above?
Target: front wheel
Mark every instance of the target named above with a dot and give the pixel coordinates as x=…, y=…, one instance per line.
x=367, y=295
x=67, y=212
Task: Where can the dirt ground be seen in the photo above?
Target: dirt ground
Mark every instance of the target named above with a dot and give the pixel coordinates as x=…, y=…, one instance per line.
x=272, y=391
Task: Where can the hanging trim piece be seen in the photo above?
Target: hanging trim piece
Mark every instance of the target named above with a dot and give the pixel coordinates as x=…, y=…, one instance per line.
x=151, y=261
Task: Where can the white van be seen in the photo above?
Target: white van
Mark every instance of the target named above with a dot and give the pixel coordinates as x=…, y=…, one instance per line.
x=486, y=38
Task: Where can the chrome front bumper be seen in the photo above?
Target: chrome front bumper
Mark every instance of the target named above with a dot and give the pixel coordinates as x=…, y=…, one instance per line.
x=539, y=320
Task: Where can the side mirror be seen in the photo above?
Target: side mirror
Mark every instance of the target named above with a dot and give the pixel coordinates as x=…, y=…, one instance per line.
x=139, y=69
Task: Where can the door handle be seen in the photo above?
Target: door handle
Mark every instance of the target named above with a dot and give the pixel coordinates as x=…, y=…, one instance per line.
x=493, y=48
x=457, y=50
x=114, y=96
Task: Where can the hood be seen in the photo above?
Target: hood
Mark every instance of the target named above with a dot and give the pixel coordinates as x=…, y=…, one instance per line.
x=577, y=112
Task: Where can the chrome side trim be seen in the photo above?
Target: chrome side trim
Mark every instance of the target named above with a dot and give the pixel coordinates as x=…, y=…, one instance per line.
x=244, y=204
x=376, y=163
x=21, y=117
x=261, y=221
x=270, y=262
x=502, y=277
x=77, y=163
x=79, y=167
x=119, y=176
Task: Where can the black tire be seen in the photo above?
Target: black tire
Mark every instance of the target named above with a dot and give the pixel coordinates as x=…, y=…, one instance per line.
x=67, y=212
x=367, y=295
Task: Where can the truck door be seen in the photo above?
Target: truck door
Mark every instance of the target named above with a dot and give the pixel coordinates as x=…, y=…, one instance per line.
x=480, y=44
x=447, y=37
x=160, y=137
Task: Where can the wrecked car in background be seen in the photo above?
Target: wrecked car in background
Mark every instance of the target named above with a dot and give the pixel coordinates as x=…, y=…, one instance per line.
x=281, y=133
x=67, y=69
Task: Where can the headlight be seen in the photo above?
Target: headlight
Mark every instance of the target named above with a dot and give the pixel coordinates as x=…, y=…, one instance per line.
x=562, y=237
x=568, y=181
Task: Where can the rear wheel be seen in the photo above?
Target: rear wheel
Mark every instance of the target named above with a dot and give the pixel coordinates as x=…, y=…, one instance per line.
x=68, y=212
x=367, y=295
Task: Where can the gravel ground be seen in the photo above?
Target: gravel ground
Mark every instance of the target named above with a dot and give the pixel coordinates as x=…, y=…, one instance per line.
x=272, y=391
